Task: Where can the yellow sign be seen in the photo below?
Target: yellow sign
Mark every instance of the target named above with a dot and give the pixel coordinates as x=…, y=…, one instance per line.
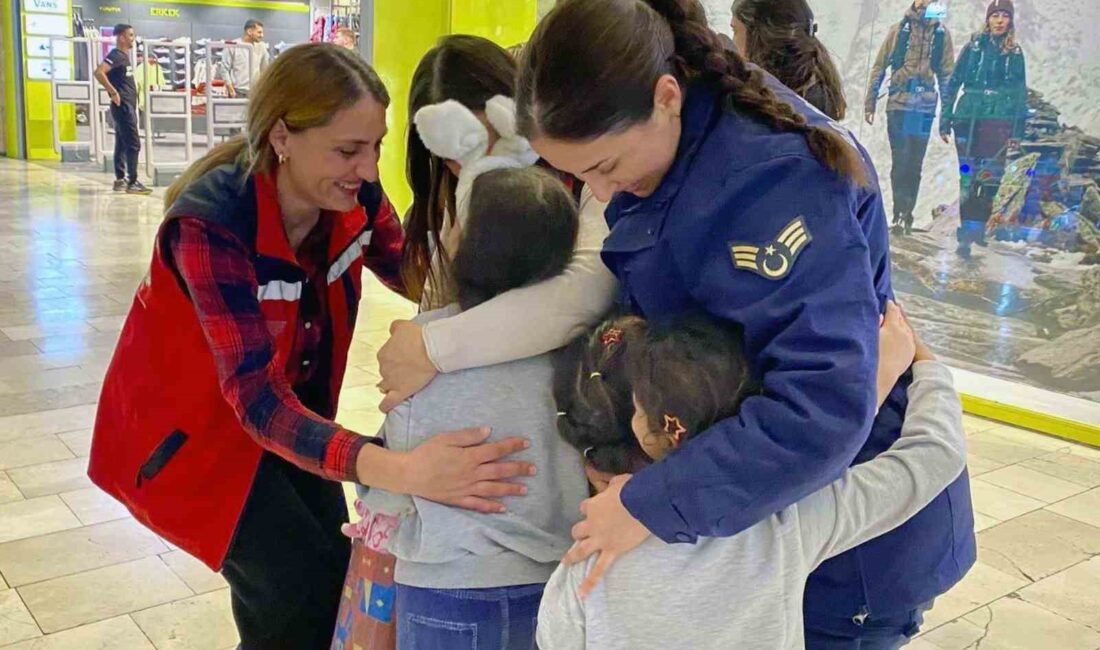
x=162, y=12
x=110, y=10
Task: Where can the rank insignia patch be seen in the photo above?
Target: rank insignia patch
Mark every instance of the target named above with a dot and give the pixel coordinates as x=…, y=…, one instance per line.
x=775, y=259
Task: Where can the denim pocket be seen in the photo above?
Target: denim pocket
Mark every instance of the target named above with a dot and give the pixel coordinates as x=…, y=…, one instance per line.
x=424, y=633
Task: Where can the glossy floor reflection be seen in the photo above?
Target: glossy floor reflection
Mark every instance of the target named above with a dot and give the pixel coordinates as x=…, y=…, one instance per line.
x=76, y=572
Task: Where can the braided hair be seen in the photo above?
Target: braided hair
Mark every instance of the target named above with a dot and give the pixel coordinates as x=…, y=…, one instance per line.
x=591, y=67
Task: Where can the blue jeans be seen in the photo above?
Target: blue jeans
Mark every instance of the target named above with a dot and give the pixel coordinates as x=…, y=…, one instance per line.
x=502, y=618
x=875, y=633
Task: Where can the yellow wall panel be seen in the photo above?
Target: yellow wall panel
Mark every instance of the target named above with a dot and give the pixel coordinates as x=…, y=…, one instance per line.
x=403, y=32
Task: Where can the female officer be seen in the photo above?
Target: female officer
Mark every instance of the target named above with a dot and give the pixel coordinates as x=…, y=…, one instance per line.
x=730, y=194
x=215, y=426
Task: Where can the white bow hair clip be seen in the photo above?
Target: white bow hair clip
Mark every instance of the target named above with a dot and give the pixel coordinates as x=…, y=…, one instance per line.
x=451, y=131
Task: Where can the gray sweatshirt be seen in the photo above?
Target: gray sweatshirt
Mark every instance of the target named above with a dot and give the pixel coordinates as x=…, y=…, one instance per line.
x=444, y=547
x=746, y=591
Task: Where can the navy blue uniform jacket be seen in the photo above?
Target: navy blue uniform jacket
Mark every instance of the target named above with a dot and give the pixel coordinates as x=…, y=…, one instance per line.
x=750, y=227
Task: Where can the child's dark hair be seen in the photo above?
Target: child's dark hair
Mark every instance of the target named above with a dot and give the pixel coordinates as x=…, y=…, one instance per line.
x=782, y=39
x=521, y=228
x=692, y=369
x=594, y=396
x=592, y=65
x=690, y=374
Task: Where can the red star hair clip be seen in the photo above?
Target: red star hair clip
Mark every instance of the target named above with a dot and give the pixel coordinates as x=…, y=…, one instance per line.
x=674, y=428
x=612, y=336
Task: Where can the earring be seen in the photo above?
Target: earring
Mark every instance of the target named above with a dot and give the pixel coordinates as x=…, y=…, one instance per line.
x=282, y=159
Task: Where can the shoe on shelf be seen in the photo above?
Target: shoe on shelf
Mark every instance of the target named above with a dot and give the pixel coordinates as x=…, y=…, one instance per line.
x=119, y=186
x=137, y=188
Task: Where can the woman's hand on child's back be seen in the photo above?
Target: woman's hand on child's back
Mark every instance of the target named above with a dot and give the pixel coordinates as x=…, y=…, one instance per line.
x=456, y=469
x=896, y=349
x=404, y=364
x=608, y=529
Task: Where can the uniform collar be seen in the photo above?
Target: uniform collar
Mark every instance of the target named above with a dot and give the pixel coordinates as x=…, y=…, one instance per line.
x=271, y=238
x=697, y=116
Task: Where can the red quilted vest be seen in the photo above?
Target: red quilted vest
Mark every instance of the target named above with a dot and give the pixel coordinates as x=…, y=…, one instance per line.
x=166, y=443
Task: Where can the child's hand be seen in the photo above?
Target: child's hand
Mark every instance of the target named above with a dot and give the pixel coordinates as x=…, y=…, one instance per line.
x=608, y=529
x=351, y=531
x=598, y=479
x=923, y=352
x=896, y=349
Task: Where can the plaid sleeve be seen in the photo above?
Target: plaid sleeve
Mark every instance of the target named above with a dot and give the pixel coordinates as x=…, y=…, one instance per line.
x=221, y=280
x=383, y=255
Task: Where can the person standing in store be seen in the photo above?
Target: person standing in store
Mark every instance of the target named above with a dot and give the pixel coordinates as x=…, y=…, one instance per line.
x=988, y=120
x=919, y=53
x=243, y=61
x=116, y=74
x=345, y=38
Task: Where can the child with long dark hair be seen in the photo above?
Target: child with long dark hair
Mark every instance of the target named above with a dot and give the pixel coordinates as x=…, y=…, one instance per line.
x=632, y=387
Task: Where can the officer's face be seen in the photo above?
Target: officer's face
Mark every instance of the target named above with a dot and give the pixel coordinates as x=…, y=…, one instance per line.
x=326, y=165
x=633, y=160
x=999, y=23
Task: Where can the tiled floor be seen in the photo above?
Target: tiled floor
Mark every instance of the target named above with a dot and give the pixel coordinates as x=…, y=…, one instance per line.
x=77, y=573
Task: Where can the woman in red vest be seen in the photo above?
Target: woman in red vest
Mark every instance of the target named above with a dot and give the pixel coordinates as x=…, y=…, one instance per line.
x=215, y=427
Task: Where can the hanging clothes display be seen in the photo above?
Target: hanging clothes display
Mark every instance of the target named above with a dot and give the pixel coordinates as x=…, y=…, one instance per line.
x=149, y=69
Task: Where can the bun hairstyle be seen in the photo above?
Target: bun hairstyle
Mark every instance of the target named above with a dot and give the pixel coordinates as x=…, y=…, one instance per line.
x=591, y=68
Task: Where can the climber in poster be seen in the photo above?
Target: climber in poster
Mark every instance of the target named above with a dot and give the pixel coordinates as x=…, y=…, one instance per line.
x=919, y=54
x=989, y=118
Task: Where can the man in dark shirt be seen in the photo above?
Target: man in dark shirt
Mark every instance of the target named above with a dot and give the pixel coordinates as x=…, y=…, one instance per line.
x=117, y=76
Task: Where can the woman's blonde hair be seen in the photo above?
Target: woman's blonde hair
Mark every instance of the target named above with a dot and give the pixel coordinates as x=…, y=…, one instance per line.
x=304, y=87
